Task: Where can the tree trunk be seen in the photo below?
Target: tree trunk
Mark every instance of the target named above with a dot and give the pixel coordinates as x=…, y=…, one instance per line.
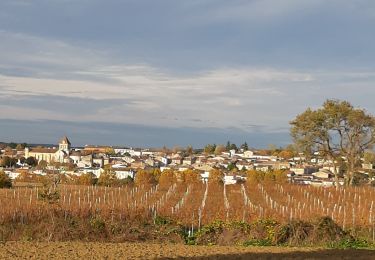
x=335, y=172
x=350, y=172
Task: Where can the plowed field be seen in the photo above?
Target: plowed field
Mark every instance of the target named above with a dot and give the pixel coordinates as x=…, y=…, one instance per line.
x=81, y=250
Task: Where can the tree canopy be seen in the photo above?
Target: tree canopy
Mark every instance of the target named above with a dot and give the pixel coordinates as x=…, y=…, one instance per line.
x=336, y=130
x=5, y=181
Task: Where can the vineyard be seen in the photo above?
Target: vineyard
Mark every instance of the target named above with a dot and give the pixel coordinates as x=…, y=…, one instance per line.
x=191, y=205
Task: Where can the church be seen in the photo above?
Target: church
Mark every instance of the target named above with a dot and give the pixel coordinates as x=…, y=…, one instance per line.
x=49, y=155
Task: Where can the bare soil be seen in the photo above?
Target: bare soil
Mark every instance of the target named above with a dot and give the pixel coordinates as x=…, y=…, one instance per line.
x=95, y=250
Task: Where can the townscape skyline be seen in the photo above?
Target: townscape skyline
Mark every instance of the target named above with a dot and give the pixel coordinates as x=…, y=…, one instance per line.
x=153, y=73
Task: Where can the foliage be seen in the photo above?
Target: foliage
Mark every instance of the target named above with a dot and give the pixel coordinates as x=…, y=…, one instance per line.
x=97, y=223
x=189, y=150
x=349, y=243
x=160, y=220
x=219, y=149
x=216, y=176
x=107, y=178
x=254, y=176
x=128, y=181
x=335, y=130
x=273, y=176
x=244, y=146
x=231, y=166
x=31, y=161
x=5, y=181
x=192, y=176
x=6, y=161
x=110, y=151
x=49, y=193
x=157, y=174
x=258, y=242
x=145, y=178
x=229, y=146
x=87, y=179
x=286, y=154
x=166, y=179
x=369, y=157
x=209, y=148
x=42, y=165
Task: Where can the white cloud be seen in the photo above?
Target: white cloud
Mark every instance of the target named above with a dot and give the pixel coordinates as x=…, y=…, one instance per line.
x=217, y=98
x=223, y=97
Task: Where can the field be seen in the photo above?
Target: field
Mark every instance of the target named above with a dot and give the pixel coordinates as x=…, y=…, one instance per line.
x=264, y=213
x=199, y=204
x=80, y=250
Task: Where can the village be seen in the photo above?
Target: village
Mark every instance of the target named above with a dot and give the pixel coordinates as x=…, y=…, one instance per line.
x=69, y=161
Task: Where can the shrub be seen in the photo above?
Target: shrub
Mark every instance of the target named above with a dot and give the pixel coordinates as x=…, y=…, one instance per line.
x=5, y=181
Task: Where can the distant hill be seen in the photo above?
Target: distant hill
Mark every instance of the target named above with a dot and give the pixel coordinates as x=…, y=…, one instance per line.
x=14, y=145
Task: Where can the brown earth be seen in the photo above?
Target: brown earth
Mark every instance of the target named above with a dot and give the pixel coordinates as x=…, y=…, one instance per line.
x=91, y=250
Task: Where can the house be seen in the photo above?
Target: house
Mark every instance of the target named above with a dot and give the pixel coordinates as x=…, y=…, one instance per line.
x=93, y=170
x=165, y=160
x=188, y=160
x=123, y=151
x=229, y=179
x=244, y=165
x=176, y=159
x=323, y=174
x=123, y=172
x=12, y=175
x=248, y=154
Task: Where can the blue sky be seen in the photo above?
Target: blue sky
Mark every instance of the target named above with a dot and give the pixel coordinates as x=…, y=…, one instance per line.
x=149, y=73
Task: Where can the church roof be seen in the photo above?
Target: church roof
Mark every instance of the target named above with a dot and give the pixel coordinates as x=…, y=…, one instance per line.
x=43, y=150
x=64, y=140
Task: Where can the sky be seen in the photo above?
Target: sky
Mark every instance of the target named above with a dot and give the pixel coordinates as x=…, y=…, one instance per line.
x=149, y=73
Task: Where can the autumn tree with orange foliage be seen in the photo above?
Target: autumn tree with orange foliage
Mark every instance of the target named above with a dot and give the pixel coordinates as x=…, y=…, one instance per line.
x=216, y=176
x=145, y=178
x=192, y=176
x=167, y=178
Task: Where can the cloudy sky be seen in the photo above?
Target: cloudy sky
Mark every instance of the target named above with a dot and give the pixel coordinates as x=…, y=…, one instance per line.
x=176, y=72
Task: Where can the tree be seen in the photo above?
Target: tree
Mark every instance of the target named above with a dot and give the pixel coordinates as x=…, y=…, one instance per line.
x=192, y=176
x=42, y=165
x=216, y=176
x=231, y=167
x=22, y=160
x=227, y=147
x=285, y=154
x=110, y=151
x=335, y=130
x=189, y=150
x=254, y=177
x=273, y=150
x=209, y=149
x=281, y=176
x=176, y=149
x=219, y=149
x=5, y=181
x=6, y=161
x=369, y=157
x=233, y=147
x=88, y=179
x=31, y=161
x=144, y=178
x=12, y=145
x=157, y=174
x=20, y=147
x=244, y=146
x=167, y=179
x=107, y=178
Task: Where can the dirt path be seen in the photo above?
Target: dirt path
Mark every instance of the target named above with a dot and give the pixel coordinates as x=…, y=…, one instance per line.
x=81, y=250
